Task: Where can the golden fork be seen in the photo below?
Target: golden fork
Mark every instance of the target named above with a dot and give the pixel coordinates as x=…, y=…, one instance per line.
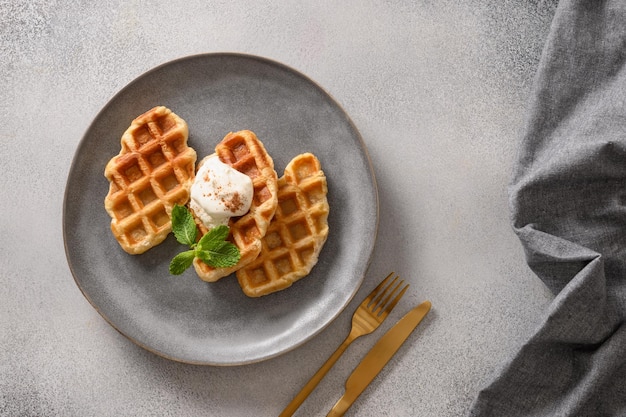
x=367, y=317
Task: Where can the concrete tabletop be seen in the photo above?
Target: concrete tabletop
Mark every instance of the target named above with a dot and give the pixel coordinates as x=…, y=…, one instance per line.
x=438, y=91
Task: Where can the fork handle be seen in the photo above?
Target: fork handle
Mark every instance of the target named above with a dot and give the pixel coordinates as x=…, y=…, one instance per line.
x=315, y=379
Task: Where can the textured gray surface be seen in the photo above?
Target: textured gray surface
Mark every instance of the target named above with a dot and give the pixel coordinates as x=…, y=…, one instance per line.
x=438, y=91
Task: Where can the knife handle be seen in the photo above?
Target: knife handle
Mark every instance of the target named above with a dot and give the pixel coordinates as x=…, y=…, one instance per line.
x=315, y=379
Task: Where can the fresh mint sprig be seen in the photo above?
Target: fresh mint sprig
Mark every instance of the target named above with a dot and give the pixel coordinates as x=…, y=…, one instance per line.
x=212, y=248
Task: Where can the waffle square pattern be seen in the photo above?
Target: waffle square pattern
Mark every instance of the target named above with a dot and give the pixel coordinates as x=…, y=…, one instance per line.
x=297, y=232
x=153, y=171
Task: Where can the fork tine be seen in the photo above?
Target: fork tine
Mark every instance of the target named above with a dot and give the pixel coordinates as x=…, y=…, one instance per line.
x=378, y=301
x=383, y=314
x=381, y=299
x=380, y=294
x=394, y=288
x=376, y=290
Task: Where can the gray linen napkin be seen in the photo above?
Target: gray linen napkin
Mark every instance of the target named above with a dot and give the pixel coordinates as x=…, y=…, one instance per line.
x=568, y=203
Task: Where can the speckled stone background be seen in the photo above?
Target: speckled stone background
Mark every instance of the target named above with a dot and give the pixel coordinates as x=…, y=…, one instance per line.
x=438, y=91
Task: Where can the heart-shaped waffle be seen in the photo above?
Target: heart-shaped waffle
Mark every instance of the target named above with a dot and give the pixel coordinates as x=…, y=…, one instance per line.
x=246, y=153
x=153, y=171
x=297, y=232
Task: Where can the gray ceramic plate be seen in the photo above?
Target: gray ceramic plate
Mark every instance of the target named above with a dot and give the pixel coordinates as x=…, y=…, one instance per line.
x=182, y=317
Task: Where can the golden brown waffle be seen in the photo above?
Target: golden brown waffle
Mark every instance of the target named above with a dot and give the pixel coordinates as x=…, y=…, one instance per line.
x=244, y=151
x=153, y=171
x=297, y=232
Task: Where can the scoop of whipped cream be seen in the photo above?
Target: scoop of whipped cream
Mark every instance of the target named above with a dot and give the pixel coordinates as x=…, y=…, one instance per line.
x=220, y=192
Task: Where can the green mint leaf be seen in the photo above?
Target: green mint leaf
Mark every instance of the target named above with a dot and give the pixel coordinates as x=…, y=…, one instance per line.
x=212, y=249
x=213, y=237
x=183, y=226
x=181, y=262
x=219, y=255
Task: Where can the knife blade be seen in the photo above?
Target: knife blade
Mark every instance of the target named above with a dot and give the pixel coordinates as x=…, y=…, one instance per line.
x=378, y=357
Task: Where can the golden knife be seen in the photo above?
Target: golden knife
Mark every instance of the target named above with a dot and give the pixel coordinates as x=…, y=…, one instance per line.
x=378, y=357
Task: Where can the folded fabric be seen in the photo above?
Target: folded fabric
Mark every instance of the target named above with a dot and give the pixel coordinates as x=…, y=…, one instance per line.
x=568, y=203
